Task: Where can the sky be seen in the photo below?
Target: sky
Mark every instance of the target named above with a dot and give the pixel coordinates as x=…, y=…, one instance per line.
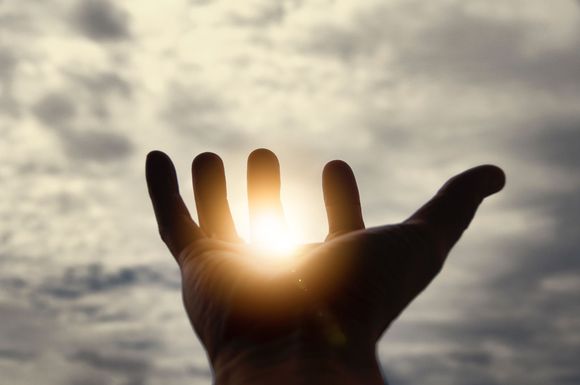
x=407, y=92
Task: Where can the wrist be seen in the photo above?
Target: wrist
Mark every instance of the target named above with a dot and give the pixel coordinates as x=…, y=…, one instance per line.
x=285, y=362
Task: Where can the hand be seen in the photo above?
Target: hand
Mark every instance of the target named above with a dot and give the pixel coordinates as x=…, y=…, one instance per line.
x=318, y=320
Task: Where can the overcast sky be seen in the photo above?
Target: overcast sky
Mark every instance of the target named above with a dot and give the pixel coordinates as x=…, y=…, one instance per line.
x=408, y=92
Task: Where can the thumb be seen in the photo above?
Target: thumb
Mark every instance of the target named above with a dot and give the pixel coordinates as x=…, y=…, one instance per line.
x=453, y=207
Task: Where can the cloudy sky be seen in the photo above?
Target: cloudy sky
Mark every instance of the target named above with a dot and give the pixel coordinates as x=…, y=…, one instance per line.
x=408, y=92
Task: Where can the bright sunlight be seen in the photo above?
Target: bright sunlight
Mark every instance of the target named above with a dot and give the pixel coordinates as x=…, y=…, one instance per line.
x=271, y=236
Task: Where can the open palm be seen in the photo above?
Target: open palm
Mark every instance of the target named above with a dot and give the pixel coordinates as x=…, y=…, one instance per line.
x=323, y=314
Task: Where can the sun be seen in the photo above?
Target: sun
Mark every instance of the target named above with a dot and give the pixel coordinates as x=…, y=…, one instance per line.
x=271, y=237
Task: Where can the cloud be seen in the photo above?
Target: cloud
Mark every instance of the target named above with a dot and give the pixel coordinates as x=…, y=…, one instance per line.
x=58, y=111
x=197, y=112
x=101, y=20
x=104, y=83
x=16, y=355
x=116, y=363
x=92, y=145
x=258, y=14
x=78, y=281
x=553, y=140
x=55, y=110
x=476, y=50
x=66, y=320
x=451, y=43
x=8, y=64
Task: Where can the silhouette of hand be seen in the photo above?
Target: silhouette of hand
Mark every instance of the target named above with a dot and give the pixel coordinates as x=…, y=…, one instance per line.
x=318, y=320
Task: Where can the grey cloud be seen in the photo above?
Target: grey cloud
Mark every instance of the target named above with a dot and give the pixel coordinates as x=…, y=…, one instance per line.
x=84, y=280
x=201, y=114
x=103, y=83
x=96, y=145
x=99, y=90
x=49, y=311
x=16, y=355
x=552, y=257
x=264, y=14
x=268, y=13
x=483, y=51
x=138, y=344
x=111, y=362
x=8, y=62
x=568, y=379
x=526, y=324
x=24, y=330
x=552, y=139
x=197, y=371
x=550, y=142
x=101, y=20
x=13, y=283
x=433, y=369
x=33, y=166
x=88, y=379
x=472, y=358
x=55, y=109
x=338, y=42
x=459, y=351
x=15, y=22
x=459, y=47
x=60, y=112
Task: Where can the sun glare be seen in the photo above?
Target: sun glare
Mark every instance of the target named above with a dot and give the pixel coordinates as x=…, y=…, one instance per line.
x=271, y=236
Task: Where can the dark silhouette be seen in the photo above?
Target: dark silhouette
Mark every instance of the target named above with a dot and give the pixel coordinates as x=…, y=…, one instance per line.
x=318, y=322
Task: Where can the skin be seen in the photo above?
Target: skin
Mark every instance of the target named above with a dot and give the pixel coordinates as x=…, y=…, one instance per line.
x=317, y=321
